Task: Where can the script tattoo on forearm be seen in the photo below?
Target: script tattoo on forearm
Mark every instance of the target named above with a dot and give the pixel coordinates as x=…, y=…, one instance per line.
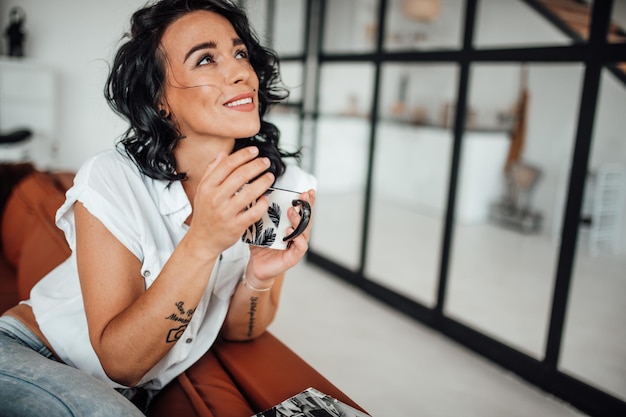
x=251, y=315
x=181, y=316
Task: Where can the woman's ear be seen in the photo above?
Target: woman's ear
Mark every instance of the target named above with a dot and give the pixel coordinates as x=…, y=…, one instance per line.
x=164, y=110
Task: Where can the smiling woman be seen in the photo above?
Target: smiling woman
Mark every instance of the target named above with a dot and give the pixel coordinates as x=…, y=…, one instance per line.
x=213, y=60
x=190, y=66
x=155, y=225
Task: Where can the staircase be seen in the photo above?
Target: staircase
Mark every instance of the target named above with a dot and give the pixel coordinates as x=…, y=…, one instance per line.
x=573, y=18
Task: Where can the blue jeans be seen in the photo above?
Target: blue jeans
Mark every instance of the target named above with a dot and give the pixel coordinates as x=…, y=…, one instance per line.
x=33, y=383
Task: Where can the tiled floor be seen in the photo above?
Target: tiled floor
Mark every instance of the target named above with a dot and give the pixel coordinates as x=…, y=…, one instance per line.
x=391, y=365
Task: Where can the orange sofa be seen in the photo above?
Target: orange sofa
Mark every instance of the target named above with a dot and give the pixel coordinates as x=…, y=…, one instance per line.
x=234, y=379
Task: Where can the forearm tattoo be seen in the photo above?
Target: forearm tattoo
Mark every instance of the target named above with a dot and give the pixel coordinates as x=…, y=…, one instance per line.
x=181, y=316
x=251, y=315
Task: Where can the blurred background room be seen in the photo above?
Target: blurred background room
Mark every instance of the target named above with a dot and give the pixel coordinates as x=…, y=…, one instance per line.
x=468, y=255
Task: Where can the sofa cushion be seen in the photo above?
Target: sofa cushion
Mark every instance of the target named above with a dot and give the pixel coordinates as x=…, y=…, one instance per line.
x=20, y=211
x=32, y=243
x=208, y=391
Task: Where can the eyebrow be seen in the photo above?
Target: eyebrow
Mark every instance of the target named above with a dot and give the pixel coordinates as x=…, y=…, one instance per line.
x=209, y=45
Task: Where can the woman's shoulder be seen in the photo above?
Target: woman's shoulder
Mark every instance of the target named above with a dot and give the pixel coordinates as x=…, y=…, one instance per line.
x=110, y=159
x=111, y=165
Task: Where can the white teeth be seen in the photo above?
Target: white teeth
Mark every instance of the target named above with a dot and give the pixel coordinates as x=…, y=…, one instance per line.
x=239, y=102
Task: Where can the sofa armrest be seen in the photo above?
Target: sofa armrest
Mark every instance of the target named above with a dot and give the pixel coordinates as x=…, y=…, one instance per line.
x=267, y=372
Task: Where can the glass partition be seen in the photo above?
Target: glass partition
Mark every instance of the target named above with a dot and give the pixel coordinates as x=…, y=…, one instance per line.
x=424, y=24
x=617, y=30
x=594, y=341
x=410, y=178
x=511, y=199
x=259, y=19
x=350, y=26
x=288, y=34
x=287, y=116
x=292, y=76
x=340, y=160
x=279, y=24
x=513, y=23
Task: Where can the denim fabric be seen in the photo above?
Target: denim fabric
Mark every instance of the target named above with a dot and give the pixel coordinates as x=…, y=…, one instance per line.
x=33, y=383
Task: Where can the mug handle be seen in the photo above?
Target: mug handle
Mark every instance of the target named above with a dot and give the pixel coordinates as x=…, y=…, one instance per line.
x=305, y=217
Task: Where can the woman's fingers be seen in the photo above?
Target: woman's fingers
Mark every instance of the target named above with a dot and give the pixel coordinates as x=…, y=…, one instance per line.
x=236, y=167
x=224, y=203
x=230, y=177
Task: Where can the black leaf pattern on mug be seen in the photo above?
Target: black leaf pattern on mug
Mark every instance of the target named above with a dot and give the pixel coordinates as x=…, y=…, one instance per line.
x=267, y=238
x=258, y=227
x=252, y=233
x=247, y=235
x=274, y=213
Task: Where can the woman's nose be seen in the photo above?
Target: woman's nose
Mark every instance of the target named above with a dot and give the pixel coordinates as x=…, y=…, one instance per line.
x=236, y=70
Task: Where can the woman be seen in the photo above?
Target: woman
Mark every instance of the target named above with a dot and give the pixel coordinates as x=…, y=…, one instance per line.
x=158, y=269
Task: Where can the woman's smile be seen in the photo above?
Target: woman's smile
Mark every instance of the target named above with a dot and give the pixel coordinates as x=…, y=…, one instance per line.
x=242, y=102
x=211, y=87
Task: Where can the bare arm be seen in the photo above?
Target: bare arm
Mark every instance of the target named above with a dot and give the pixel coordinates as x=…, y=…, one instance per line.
x=128, y=324
x=252, y=309
x=130, y=327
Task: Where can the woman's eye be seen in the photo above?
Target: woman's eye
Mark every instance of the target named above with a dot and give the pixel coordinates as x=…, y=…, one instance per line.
x=207, y=59
x=242, y=54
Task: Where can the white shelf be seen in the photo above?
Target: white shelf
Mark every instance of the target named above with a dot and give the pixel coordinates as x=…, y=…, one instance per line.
x=27, y=101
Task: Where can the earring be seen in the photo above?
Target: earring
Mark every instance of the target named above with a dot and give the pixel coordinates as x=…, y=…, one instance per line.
x=162, y=113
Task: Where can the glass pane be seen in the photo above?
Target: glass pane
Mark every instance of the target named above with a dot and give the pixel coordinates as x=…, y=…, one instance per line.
x=340, y=161
x=619, y=70
x=292, y=74
x=287, y=116
x=510, y=201
x=617, y=31
x=594, y=341
x=513, y=23
x=257, y=13
x=350, y=26
x=288, y=122
x=411, y=174
x=424, y=24
x=289, y=27
x=346, y=89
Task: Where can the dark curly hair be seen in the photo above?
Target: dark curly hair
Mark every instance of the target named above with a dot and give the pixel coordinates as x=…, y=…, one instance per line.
x=135, y=86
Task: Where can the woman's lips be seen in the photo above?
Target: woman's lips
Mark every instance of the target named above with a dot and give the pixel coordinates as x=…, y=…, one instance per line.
x=242, y=102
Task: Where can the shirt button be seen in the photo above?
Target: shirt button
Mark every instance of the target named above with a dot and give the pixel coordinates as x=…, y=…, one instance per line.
x=146, y=273
x=189, y=340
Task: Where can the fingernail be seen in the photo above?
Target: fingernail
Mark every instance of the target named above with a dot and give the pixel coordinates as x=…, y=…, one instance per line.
x=266, y=161
x=253, y=150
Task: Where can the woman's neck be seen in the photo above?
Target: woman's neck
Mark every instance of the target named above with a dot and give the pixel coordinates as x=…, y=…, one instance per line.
x=192, y=156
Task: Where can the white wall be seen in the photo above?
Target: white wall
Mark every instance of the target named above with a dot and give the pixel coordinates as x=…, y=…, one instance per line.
x=77, y=38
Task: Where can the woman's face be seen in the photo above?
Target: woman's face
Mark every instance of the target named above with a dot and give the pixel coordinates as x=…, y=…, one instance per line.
x=211, y=89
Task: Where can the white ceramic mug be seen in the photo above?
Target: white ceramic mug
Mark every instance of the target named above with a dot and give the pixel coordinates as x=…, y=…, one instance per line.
x=271, y=230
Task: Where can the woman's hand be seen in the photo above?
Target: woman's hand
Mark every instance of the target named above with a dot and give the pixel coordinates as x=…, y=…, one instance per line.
x=223, y=206
x=265, y=264
x=254, y=303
